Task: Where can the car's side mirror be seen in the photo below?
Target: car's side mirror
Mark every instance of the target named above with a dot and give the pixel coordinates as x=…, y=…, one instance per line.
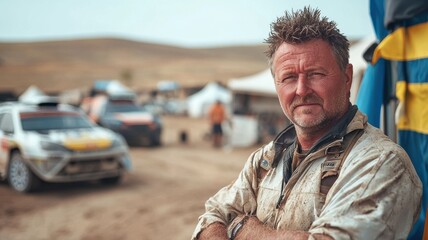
x=8, y=129
x=9, y=132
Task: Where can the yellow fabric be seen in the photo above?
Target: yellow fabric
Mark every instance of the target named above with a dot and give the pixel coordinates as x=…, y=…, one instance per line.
x=404, y=44
x=414, y=97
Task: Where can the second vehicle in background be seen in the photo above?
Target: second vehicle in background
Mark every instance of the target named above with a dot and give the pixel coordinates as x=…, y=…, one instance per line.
x=137, y=125
x=113, y=106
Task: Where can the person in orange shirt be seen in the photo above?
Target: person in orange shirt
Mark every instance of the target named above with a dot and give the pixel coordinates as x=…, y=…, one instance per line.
x=216, y=116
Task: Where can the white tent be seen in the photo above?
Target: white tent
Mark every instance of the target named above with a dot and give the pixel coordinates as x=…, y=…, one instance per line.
x=30, y=93
x=254, y=94
x=115, y=89
x=356, y=59
x=260, y=83
x=254, y=101
x=167, y=85
x=33, y=95
x=199, y=102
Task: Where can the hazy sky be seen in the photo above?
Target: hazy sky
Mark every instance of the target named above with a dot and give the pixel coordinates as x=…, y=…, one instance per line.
x=188, y=23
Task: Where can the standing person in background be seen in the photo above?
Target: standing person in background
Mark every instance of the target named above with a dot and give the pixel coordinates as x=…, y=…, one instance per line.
x=329, y=175
x=217, y=115
x=92, y=105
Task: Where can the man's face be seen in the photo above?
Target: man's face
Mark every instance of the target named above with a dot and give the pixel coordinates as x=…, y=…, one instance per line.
x=312, y=89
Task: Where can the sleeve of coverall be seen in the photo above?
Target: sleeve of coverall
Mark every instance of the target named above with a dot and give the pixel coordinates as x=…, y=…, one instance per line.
x=377, y=196
x=232, y=200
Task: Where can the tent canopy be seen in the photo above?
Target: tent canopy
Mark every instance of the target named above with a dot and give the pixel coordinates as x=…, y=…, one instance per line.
x=30, y=93
x=33, y=95
x=115, y=89
x=199, y=102
x=261, y=83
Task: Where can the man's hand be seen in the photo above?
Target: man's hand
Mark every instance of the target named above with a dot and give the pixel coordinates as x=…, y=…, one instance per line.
x=215, y=231
x=254, y=229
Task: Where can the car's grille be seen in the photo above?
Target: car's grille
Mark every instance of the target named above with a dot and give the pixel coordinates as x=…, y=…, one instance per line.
x=139, y=128
x=90, y=166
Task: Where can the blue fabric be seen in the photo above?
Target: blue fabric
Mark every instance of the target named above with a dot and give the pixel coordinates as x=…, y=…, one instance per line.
x=410, y=71
x=377, y=13
x=371, y=93
x=416, y=145
x=371, y=96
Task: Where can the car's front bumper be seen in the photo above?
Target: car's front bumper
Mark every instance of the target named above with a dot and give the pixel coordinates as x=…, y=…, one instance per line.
x=80, y=166
x=141, y=134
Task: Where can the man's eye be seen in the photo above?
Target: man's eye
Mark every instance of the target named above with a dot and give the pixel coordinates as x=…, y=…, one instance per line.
x=315, y=74
x=288, y=78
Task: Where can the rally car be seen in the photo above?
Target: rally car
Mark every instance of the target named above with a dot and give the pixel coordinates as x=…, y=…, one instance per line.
x=50, y=142
x=137, y=125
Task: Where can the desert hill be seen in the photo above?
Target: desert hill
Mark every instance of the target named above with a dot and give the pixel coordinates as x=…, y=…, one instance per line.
x=55, y=66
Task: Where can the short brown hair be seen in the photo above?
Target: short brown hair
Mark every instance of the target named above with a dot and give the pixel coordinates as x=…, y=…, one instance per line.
x=305, y=25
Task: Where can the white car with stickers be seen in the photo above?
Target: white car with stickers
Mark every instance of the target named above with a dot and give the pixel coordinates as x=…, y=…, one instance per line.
x=57, y=143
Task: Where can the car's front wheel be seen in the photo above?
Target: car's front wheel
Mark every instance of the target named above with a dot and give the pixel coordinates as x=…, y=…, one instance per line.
x=20, y=176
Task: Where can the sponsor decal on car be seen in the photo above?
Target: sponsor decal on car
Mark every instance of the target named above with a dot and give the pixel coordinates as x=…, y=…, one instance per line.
x=86, y=144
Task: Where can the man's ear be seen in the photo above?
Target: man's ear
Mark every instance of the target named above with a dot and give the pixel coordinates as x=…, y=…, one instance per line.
x=349, y=71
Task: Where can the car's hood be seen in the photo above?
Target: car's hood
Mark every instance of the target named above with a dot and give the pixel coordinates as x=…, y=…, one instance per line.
x=77, y=139
x=135, y=117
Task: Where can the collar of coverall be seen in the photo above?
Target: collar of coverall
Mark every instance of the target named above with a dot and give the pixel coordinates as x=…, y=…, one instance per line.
x=287, y=137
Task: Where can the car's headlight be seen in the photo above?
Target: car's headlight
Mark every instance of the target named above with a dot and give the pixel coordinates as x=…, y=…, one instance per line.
x=50, y=146
x=46, y=165
x=118, y=141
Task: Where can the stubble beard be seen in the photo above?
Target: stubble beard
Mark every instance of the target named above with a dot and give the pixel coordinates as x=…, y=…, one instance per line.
x=313, y=123
x=322, y=120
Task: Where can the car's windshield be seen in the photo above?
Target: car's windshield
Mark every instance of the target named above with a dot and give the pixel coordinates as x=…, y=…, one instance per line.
x=125, y=106
x=53, y=120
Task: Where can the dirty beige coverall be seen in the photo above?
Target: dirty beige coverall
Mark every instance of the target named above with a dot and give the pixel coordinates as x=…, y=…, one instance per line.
x=376, y=196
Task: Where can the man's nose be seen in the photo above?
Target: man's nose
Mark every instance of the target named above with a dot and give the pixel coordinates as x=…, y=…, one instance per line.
x=303, y=87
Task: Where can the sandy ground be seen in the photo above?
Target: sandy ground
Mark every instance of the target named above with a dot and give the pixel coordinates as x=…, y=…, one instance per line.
x=160, y=199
